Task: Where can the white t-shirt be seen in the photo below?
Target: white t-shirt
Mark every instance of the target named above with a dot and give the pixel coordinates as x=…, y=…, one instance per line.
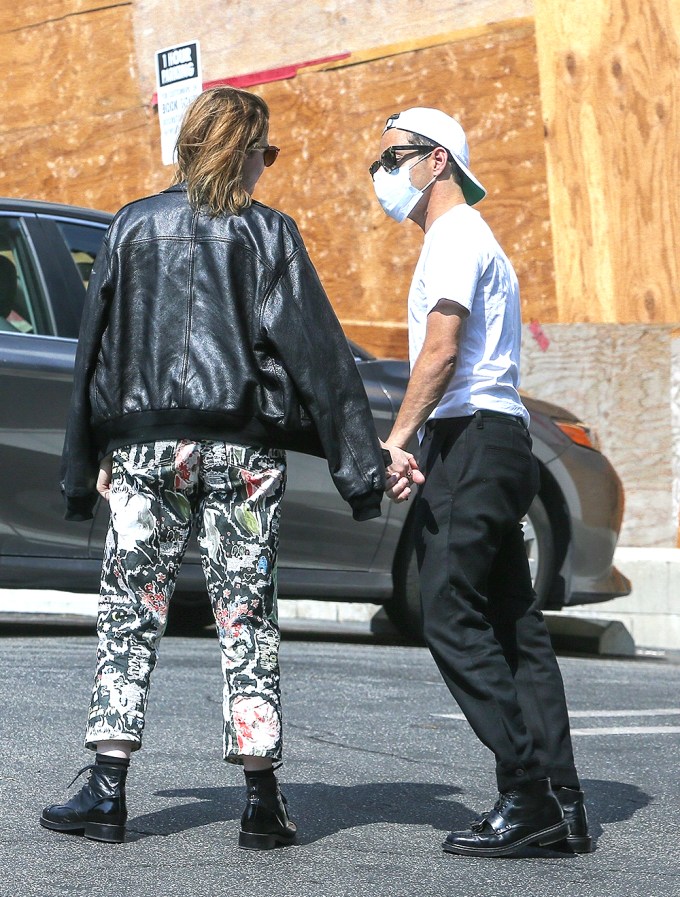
x=462, y=261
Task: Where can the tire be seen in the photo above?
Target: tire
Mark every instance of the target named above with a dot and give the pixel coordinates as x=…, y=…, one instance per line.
x=404, y=609
x=540, y=548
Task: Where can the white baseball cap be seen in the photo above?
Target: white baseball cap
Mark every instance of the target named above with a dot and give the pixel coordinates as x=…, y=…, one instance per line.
x=445, y=131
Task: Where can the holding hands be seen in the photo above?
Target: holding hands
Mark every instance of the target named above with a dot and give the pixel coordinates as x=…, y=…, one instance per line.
x=402, y=473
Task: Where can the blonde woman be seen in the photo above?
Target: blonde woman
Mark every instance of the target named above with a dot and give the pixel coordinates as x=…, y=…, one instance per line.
x=206, y=350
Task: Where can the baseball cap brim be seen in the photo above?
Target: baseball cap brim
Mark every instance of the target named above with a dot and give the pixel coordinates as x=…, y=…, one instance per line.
x=473, y=191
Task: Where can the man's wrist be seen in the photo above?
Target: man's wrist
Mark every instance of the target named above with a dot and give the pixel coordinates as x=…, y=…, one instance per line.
x=399, y=440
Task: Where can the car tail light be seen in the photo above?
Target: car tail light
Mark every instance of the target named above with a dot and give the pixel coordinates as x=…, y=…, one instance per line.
x=579, y=433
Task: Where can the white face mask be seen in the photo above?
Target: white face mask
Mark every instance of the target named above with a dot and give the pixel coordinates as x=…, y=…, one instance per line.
x=395, y=192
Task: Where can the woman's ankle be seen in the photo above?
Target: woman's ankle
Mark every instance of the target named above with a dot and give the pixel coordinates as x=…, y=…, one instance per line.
x=118, y=749
x=257, y=764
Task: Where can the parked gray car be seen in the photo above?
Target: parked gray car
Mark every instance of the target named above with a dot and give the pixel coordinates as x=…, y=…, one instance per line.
x=46, y=254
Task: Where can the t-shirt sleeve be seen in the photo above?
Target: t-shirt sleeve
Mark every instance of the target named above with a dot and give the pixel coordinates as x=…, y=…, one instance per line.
x=451, y=271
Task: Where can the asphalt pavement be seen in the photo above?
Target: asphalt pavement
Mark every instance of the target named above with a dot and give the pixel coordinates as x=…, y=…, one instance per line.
x=379, y=766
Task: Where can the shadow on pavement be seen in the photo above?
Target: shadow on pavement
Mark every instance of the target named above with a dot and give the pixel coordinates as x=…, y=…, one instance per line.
x=322, y=810
x=16, y=625
x=612, y=802
x=34, y=625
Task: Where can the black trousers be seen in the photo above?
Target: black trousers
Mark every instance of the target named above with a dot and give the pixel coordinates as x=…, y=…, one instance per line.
x=481, y=622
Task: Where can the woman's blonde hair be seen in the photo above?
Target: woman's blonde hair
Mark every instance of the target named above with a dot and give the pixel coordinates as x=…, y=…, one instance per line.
x=219, y=128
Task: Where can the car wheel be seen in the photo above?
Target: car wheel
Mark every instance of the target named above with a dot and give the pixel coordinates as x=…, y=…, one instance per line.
x=540, y=548
x=404, y=607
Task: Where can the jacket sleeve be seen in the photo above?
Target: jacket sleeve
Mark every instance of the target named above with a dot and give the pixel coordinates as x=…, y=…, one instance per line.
x=309, y=342
x=80, y=457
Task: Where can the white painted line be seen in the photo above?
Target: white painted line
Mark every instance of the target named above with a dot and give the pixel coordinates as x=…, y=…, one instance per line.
x=629, y=730
x=593, y=714
x=608, y=730
x=659, y=711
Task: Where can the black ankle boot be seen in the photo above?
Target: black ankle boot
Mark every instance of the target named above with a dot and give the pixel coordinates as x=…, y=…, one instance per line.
x=578, y=840
x=265, y=823
x=98, y=810
x=529, y=814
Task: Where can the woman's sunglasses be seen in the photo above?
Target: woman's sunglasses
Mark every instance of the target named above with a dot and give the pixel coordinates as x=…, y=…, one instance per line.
x=269, y=154
x=388, y=159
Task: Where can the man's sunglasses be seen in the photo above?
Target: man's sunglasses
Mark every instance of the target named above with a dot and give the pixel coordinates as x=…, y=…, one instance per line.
x=388, y=159
x=269, y=154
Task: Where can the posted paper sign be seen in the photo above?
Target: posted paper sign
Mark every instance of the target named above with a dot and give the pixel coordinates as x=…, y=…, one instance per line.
x=178, y=82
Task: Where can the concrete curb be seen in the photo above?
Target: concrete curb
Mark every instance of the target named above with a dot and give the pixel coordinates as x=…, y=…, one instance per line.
x=651, y=613
x=649, y=617
x=604, y=638
x=45, y=601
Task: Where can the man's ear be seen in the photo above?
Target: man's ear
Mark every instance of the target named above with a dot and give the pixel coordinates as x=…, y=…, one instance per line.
x=441, y=159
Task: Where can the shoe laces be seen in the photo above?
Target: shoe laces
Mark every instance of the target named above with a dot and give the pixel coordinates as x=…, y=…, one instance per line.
x=78, y=774
x=498, y=807
x=502, y=802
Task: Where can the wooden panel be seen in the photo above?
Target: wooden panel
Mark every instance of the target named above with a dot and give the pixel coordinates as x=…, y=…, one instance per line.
x=16, y=17
x=241, y=36
x=329, y=125
x=611, y=103
x=74, y=128
x=58, y=76
x=92, y=140
x=581, y=371
x=102, y=163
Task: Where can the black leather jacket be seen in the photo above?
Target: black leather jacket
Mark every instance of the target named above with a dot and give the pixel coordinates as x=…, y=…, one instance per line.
x=214, y=328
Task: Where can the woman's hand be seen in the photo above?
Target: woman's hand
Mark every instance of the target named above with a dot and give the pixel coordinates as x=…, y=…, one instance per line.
x=402, y=473
x=104, y=477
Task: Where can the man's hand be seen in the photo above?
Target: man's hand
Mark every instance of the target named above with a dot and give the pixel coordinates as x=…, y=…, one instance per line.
x=402, y=473
x=104, y=477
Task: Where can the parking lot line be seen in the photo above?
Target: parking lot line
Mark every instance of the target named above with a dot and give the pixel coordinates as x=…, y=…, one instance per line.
x=628, y=730
x=594, y=714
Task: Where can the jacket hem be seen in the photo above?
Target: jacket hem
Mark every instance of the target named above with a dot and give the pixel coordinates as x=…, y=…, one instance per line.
x=186, y=423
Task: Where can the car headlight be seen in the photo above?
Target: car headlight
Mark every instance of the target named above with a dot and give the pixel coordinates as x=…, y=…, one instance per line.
x=579, y=433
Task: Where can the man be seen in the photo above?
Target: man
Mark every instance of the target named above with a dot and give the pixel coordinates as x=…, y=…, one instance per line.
x=481, y=621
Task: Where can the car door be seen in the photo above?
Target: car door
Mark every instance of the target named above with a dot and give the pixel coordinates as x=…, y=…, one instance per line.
x=39, y=290
x=317, y=528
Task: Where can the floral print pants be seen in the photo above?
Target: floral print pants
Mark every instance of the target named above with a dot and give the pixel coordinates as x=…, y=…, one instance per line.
x=232, y=494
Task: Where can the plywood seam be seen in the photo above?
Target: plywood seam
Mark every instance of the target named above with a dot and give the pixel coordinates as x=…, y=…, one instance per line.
x=366, y=322
x=425, y=43
x=70, y=15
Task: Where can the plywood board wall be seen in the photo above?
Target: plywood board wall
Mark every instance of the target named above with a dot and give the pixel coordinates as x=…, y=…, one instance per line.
x=329, y=124
x=582, y=370
x=73, y=127
x=77, y=127
x=241, y=36
x=611, y=103
x=594, y=234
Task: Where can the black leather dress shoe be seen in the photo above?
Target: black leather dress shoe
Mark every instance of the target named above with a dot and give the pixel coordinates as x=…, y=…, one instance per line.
x=578, y=840
x=265, y=823
x=529, y=814
x=97, y=811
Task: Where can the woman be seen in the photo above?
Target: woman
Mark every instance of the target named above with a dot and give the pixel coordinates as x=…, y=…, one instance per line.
x=206, y=350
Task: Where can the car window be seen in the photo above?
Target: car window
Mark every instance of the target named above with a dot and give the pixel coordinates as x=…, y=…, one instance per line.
x=22, y=303
x=84, y=242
